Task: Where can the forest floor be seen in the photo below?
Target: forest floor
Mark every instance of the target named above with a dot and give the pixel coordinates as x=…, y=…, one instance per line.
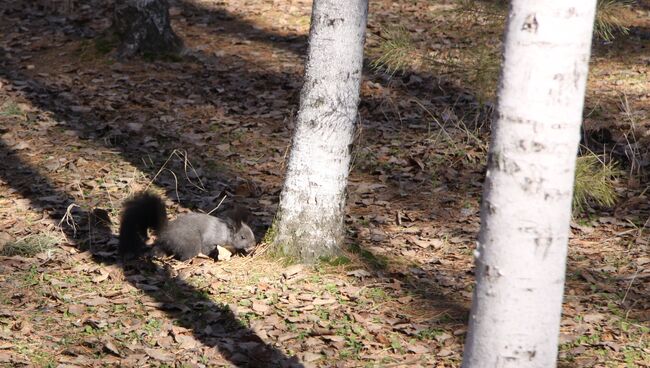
x=80, y=132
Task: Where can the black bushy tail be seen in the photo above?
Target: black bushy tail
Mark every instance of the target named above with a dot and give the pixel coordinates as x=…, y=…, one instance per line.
x=143, y=211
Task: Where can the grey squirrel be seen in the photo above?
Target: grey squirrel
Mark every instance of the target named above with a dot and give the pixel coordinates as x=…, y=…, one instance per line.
x=186, y=236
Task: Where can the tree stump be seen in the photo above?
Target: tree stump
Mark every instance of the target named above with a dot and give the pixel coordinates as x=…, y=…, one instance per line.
x=143, y=27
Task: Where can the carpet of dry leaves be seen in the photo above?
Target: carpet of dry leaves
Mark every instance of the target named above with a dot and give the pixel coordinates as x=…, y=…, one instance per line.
x=80, y=132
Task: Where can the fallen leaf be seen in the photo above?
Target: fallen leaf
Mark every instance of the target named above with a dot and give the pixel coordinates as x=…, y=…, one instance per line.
x=110, y=347
x=417, y=348
x=593, y=317
x=98, y=300
x=103, y=275
x=292, y=270
x=360, y=273
x=260, y=307
x=76, y=309
x=223, y=253
x=159, y=354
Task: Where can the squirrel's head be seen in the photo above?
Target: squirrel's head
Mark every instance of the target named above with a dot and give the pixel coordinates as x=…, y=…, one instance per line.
x=243, y=239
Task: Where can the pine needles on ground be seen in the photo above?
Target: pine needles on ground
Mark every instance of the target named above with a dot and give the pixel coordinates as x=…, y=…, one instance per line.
x=484, y=73
x=594, y=183
x=397, y=50
x=10, y=109
x=29, y=246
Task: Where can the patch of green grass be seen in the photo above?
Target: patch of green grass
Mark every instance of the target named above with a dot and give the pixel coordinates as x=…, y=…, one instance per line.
x=42, y=359
x=271, y=232
x=374, y=261
x=315, y=279
x=335, y=261
x=594, y=183
x=152, y=325
x=633, y=355
x=377, y=294
x=204, y=360
x=428, y=334
x=332, y=288
x=245, y=303
x=364, y=159
x=352, y=333
x=247, y=318
x=30, y=278
x=10, y=109
x=323, y=314
x=587, y=339
x=236, y=134
x=105, y=44
x=396, y=344
x=278, y=251
x=364, y=222
x=354, y=344
x=90, y=330
x=29, y=246
x=484, y=69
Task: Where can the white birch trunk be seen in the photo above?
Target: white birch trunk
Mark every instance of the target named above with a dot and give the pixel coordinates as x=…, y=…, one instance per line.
x=310, y=216
x=521, y=254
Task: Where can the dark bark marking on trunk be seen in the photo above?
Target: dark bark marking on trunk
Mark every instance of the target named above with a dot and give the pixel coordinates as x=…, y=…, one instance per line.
x=144, y=28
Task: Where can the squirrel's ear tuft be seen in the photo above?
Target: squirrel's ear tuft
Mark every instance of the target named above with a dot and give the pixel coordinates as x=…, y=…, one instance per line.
x=239, y=216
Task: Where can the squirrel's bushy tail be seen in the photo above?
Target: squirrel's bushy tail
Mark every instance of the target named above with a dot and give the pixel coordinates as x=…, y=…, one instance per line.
x=143, y=211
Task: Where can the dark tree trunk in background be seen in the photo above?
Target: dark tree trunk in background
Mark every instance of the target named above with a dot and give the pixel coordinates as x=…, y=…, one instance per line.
x=143, y=27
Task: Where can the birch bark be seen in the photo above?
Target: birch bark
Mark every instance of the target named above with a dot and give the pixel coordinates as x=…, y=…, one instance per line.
x=521, y=254
x=309, y=223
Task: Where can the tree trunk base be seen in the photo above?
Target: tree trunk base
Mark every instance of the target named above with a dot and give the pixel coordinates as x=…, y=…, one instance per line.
x=143, y=27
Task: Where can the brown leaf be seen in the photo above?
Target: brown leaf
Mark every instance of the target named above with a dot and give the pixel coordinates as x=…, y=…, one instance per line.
x=287, y=336
x=442, y=337
x=159, y=354
x=364, y=188
x=310, y=357
x=334, y=338
x=593, y=317
x=165, y=342
x=6, y=356
x=186, y=342
x=110, y=347
x=360, y=273
x=260, y=307
x=292, y=270
x=417, y=348
x=98, y=300
x=103, y=275
x=76, y=309
x=319, y=301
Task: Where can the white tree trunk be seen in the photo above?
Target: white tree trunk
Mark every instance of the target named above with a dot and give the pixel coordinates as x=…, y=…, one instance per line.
x=310, y=216
x=526, y=208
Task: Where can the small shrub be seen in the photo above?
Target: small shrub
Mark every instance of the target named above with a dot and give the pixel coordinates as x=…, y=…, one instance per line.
x=397, y=51
x=10, y=109
x=610, y=19
x=594, y=183
x=28, y=246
